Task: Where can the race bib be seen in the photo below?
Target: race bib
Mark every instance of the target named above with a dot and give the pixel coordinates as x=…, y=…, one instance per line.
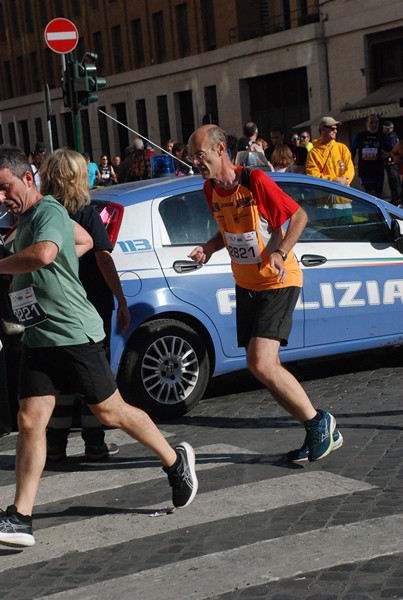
x=26, y=308
x=370, y=153
x=243, y=247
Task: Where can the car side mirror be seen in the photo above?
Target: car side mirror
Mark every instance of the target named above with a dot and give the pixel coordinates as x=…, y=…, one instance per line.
x=396, y=235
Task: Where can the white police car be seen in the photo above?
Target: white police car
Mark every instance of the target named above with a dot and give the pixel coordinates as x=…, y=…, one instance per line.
x=183, y=316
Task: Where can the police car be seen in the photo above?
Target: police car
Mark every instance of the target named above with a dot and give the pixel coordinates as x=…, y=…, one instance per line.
x=183, y=329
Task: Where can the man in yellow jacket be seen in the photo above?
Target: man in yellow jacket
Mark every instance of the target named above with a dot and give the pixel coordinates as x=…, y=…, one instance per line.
x=329, y=159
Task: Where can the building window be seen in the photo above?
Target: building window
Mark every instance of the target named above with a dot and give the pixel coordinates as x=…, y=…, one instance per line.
x=2, y=24
x=29, y=23
x=137, y=37
x=98, y=49
x=69, y=130
x=120, y=133
x=210, y=99
x=209, y=35
x=21, y=76
x=1, y=135
x=23, y=131
x=49, y=72
x=55, y=137
x=43, y=14
x=184, y=106
x=159, y=37
x=117, y=49
x=142, y=117
x=182, y=28
x=163, y=119
x=80, y=48
x=58, y=4
x=33, y=62
x=11, y=134
x=15, y=19
x=385, y=52
x=38, y=129
x=86, y=131
x=9, y=80
x=103, y=132
x=76, y=8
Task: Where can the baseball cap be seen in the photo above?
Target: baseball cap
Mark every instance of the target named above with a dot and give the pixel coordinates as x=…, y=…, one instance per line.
x=328, y=122
x=387, y=124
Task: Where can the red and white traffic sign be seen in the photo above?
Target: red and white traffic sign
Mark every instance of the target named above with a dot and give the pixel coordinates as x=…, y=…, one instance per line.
x=61, y=35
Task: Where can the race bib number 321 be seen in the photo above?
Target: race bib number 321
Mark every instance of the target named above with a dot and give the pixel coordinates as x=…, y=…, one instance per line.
x=26, y=308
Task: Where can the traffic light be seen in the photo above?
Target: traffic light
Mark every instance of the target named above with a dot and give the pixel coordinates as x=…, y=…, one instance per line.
x=86, y=83
x=80, y=83
x=69, y=100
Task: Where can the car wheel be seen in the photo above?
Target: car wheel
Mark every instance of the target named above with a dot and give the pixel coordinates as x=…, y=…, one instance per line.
x=166, y=369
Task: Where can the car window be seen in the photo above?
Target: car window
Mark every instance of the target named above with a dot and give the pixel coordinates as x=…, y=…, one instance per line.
x=187, y=218
x=341, y=218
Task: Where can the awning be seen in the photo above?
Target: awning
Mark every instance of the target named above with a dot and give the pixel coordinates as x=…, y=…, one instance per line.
x=382, y=101
x=396, y=113
x=336, y=114
x=386, y=100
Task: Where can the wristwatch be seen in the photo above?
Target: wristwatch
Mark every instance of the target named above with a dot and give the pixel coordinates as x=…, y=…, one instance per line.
x=282, y=254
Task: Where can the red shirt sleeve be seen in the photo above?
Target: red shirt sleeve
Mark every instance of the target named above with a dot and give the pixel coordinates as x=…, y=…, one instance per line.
x=275, y=205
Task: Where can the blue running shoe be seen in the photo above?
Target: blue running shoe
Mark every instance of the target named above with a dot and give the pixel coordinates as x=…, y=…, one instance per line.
x=319, y=435
x=301, y=454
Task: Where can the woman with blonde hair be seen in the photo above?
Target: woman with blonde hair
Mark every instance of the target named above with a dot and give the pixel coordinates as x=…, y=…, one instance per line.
x=64, y=176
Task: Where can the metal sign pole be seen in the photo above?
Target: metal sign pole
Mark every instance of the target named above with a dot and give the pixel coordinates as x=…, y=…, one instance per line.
x=48, y=110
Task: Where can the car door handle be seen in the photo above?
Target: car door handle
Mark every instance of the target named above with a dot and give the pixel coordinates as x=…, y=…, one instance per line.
x=311, y=260
x=184, y=266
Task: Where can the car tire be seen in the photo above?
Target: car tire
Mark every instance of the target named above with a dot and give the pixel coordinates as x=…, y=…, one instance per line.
x=166, y=369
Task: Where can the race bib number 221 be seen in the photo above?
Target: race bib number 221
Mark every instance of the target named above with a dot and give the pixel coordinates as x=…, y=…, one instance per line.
x=26, y=308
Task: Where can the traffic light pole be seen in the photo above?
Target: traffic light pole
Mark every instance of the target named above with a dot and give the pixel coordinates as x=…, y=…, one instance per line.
x=77, y=134
x=74, y=108
x=80, y=87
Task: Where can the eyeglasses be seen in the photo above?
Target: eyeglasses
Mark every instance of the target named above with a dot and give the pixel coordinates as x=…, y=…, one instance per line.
x=199, y=155
x=295, y=139
x=303, y=137
x=330, y=127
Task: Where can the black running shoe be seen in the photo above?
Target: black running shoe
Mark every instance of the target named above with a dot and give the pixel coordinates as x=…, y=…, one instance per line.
x=15, y=528
x=182, y=476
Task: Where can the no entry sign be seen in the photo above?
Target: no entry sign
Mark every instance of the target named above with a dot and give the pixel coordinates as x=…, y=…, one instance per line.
x=61, y=35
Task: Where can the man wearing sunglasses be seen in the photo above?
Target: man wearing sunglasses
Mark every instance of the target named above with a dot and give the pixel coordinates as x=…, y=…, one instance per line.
x=328, y=158
x=305, y=140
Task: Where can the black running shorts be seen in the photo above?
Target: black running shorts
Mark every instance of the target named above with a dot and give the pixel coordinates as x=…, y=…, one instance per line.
x=81, y=369
x=266, y=314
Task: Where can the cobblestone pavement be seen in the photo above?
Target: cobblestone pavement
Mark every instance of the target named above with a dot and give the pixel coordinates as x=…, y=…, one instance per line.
x=260, y=528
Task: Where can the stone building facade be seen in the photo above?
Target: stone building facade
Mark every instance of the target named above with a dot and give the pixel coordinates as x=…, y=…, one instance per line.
x=171, y=63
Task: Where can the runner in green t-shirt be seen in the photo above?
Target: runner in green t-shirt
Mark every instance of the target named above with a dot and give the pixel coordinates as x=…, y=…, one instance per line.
x=61, y=350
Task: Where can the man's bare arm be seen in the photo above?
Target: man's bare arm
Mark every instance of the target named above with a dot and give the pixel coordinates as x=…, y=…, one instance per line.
x=82, y=239
x=30, y=259
x=202, y=254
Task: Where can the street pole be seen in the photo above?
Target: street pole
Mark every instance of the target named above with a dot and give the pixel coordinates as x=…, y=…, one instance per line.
x=48, y=109
x=74, y=108
x=77, y=134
